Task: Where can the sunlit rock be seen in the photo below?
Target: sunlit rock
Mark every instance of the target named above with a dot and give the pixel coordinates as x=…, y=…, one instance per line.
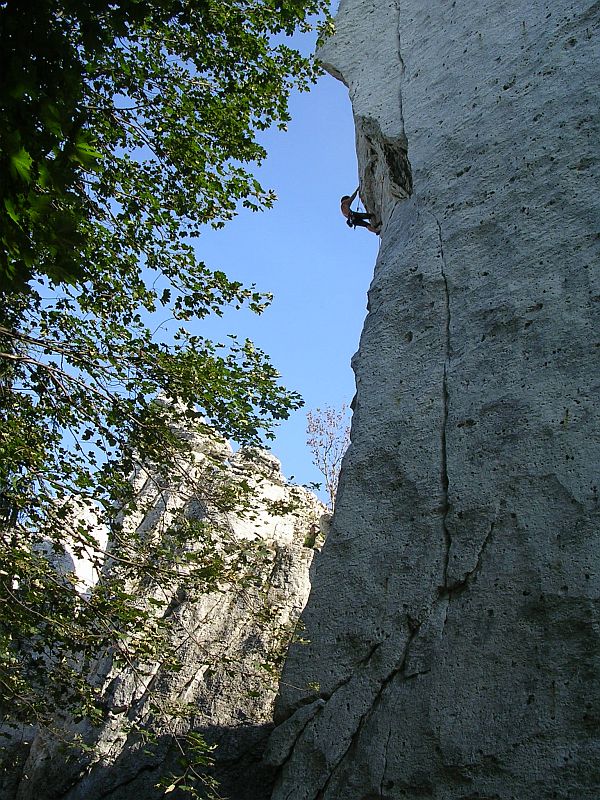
x=229, y=644
x=453, y=623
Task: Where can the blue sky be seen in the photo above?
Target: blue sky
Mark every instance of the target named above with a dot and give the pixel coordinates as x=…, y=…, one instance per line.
x=303, y=252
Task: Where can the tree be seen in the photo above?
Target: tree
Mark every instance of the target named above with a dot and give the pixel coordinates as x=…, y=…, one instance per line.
x=125, y=126
x=328, y=433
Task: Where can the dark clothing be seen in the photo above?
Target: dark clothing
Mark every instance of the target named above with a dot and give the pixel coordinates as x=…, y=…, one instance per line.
x=358, y=219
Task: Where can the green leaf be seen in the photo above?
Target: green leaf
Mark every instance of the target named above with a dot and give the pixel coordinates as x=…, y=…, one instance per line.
x=87, y=150
x=21, y=163
x=11, y=210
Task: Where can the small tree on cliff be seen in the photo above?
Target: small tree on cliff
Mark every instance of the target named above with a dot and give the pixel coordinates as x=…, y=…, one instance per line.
x=328, y=433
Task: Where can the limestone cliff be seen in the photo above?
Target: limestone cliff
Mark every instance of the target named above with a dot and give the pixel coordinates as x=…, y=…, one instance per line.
x=224, y=640
x=454, y=619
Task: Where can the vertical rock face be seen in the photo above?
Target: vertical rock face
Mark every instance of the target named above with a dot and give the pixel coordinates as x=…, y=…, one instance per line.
x=224, y=641
x=454, y=619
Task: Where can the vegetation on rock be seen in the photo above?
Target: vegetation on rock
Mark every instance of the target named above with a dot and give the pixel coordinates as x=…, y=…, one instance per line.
x=125, y=126
x=328, y=433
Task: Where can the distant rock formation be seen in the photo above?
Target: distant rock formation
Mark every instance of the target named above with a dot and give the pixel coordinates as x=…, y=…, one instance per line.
x=454, y=619
x=225, y=640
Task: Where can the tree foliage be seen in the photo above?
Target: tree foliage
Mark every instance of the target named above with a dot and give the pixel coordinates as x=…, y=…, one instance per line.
x=328, y=433
x=125, y=126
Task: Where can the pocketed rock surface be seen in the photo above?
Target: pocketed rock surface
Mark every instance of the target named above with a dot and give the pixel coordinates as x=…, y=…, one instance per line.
x=454, y=619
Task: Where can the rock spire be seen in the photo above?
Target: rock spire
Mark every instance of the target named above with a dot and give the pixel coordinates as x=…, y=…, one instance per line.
x=454, y=617
x=229, y=643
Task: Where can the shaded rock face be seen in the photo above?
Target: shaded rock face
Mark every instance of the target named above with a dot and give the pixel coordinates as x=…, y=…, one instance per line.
x=224, y=640
x=454, y=619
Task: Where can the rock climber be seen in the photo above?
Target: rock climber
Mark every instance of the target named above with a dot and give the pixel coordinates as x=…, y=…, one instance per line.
x=357, y=219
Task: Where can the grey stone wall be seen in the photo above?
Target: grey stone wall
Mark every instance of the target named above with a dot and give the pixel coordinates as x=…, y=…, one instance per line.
x=454, y=619
x=224, y=641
